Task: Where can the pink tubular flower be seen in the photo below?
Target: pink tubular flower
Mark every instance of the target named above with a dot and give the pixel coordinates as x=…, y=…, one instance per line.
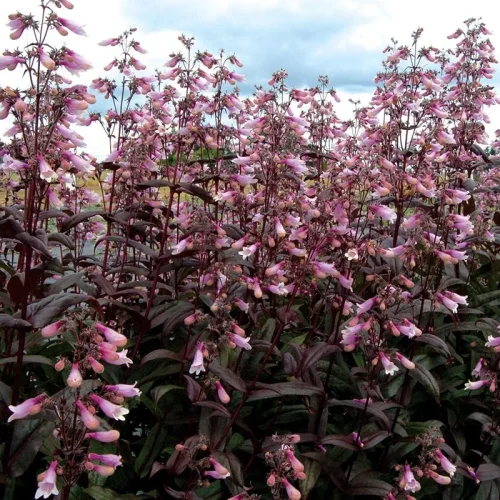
x=29, y=407
x=74, y=379
x=125, y=390
x=111, y=410
x=111, y=335
x=78, y=30
x=103, y=436
x=409, y=365
x=408, y=481
x=439, y=479
x=445, y=463
x=389, y=367
x=493, y=342
x=10, y=62
x=110, y=460
x=120, y=359
x=240, y=341
x=103, y=470
x=221, y=393
x=220, y=471
x=292, y=492
x=473, y=386
x=95, y=365
x=198, y=365
x=296, y=464
x=47, y=62
x=47, y=485
x=385, y=213
x=52, y=329
x=89, y=420
x=46, y=172
x=366, y=306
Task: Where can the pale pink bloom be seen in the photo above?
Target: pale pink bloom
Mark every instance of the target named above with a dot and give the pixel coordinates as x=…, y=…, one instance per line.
x=296, y=464
x=478, y=368
x=10, y=62
x=298, y=166
x=95, y=365
x=280, y=230
x=109, y=41
x=103, y=470
x=103, y=436
x=352, y=254
x=46, y=61
x=389, y=367
x=409, y=329
x=78, y=30
x=52, y=329
x=323, y=269
x=440, y=479
x=243, y=306
x=445, y=463
x=181, y=246
x=292, y=492
x=221, y=393
x=121, y=359
x=447, y=302
x=409, y=365
x=244, y=179
x=75, y=377
x=125, y=390
x=66, y=4
x=47, y=486
x=299, y=234
x=445, y=138
x=366, y=305
x=345, y=281
x=88, y=419
x=385, y=213
x=111, y=335
x=198, y=365
x=220, y=471
x=31, y=406
x=172, y=62
x=408, y=481
x=241, y=160
x=240, y=341
x=493, y=341
x=248, y=251
x=108, y=459
x=46, y=172
x=281, y=289
x=111, y=410
x=473, y=386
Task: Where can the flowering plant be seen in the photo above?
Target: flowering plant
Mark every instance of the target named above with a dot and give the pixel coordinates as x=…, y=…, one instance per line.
x=258, y=299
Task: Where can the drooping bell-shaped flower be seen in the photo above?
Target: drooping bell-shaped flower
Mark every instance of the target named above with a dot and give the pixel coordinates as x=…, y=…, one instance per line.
x=47, y=484
x=198, y=365
x=31, y=406
x=110, y=409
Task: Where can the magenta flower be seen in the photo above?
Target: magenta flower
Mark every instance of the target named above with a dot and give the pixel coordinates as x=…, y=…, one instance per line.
x=125, y=390
x=111, y=410
x=46, y=172
x=88, y=419
x=109, y=459
x=10, y=62
x=408, y=481
x=439, y=479
x=47, y=483
x=74, y=379
x=221, y=393
x=52, y=329
x=473, y=386
x=111, y=335
x=445, y=463
x=29, y=407
x=240, y=341
x=103, y=436
x=292, y=492
x=296, y=464
x=385, y=213
x=493, y=342
x=78, y=30
x=198, y=364
x=219, y=472
x=409, y=365
x=389, y=367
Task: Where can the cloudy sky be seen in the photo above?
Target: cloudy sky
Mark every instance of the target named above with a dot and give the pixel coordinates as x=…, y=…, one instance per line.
x=342, y=39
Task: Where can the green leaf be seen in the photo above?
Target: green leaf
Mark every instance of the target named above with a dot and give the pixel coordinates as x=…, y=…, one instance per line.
x=73, y=221
x=228, y=376
x=368, y=486
x=28, y=358
x=42, y=312
x=158, y=392
x=150, y=450
x=424, y=376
